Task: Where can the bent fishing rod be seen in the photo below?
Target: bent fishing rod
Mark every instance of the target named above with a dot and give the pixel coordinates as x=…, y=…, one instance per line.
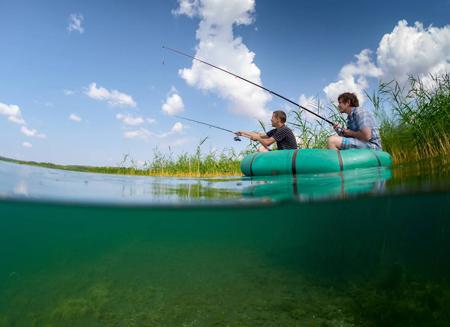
x=236, y=138
x=253, y=83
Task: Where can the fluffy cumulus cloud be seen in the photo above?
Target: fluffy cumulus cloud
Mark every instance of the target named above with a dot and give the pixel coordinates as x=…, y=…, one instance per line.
x=407, y=50
x=113, y=97
x=353, y=77
x=217, y=44
x=75, y=118
x=311, y=103
x=174, y=104
x=414, y=50
x=32, y=132
x=186, y=7
x=75, y=23
x=130, y=120
x=12, y=112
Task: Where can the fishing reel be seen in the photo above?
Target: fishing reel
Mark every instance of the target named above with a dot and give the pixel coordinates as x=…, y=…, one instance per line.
x=339, y=131
x=237, y=138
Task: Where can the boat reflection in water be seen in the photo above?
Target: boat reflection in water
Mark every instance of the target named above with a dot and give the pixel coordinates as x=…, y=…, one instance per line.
x=319, y=186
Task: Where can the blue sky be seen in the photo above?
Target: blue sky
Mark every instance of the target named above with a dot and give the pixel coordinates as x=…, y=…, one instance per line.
x=86, y=82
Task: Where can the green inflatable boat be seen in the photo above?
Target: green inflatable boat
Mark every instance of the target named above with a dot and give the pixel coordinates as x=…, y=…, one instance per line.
x=312, y=161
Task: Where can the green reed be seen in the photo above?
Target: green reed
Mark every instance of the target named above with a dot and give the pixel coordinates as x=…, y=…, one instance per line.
x=414, y=124
x=310, y=131
x=198, y=164
x=415, y=118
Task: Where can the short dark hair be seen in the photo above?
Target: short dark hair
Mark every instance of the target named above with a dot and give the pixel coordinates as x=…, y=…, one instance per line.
x=281, y=115
x=349, y=97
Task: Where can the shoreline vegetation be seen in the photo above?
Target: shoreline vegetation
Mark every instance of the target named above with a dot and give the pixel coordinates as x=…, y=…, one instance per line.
x=414, y=122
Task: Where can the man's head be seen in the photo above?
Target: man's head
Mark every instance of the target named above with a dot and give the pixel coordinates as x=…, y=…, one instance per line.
x=347, y=101
x=278, y=118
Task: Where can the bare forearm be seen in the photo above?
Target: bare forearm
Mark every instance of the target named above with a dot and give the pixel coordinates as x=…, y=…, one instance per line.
x=361, y=135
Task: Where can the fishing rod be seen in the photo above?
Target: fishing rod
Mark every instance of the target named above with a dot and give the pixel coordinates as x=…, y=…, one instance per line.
x=236, y=138
x=253, y=83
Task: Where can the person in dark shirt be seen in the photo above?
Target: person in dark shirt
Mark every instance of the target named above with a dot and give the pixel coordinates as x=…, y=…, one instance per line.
x=281, y=134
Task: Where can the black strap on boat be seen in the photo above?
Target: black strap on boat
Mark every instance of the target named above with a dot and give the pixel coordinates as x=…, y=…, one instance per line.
x=251, y=163
x=295, y=188
x=341, y=163
x=376, y=156
x=294, y=165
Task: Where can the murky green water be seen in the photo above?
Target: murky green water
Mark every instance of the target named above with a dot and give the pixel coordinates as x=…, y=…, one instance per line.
x=367, y=248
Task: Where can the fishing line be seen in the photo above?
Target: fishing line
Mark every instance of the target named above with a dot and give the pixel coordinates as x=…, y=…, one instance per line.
x=236, y=138
x=253, y=83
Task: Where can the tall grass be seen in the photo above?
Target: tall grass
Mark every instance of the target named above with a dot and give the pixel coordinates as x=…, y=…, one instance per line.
x=414, y=124
x=198, y=164
x=415, y=118
x=311, y=131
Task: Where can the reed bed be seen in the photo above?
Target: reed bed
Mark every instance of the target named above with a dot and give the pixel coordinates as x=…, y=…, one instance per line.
x=415, y=118
x=414, y=125
x=211, y=164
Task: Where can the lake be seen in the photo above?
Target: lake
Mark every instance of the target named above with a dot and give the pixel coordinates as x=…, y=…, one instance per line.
x=368, y=247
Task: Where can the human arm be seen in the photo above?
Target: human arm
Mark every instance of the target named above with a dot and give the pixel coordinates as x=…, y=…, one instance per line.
x=251, y=135
x=365, y=134
x=262, y=138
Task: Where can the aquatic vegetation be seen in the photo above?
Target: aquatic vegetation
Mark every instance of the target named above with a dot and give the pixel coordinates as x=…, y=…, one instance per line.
x=312, y=132
x=415, y=124
x=399, y=301
x=225, y=163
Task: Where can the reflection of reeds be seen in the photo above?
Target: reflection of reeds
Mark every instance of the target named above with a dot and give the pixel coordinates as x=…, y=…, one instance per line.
x=419, y=124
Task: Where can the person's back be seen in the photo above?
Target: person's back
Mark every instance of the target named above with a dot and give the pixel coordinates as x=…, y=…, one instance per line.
x=284, y=137
x=281, y=134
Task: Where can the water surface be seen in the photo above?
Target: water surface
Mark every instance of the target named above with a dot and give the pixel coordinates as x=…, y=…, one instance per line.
x=367, y=248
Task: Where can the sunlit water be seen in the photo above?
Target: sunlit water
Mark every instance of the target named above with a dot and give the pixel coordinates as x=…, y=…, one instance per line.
x=362, y=248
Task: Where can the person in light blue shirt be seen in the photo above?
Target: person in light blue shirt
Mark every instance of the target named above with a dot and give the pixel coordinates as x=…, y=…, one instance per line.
x=361, y=131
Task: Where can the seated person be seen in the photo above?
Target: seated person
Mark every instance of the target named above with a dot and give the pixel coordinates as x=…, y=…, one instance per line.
x=281, y=134
x=361, y=132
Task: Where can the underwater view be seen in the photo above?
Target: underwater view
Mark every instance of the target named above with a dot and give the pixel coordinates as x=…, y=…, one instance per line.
x=367, y=247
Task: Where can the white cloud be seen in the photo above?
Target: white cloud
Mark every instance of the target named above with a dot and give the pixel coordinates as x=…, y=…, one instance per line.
x=174, y=104
x=186, y=7
x=140, y=133
x=32, y=132
x=407, y=50
x=74, y=117
x=113, y=97
x=144, y=133
x=68, y=92
x=218, y=45
x=130, y=120
x=151, y=120
x=310, y=103
x=177, y=127
x=75, y=22
x=353, y=77
x=414, y=50
x=27, y=145
x=12, y=112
